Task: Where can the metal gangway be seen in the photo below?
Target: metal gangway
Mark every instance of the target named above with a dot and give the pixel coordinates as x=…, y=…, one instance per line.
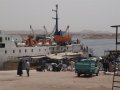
x=116, y=75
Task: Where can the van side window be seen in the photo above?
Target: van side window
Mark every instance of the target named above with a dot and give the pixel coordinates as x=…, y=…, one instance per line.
x=0, y=39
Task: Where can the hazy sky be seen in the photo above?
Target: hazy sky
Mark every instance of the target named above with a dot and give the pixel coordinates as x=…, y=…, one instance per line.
x=81, y=15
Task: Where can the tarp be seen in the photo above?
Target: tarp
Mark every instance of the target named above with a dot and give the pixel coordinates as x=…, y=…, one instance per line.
x=54, y=56
x=43, y=36
x=63, y=55
x=36, y=57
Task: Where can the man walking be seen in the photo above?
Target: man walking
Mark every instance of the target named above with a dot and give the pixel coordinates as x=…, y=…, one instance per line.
x=27, y=66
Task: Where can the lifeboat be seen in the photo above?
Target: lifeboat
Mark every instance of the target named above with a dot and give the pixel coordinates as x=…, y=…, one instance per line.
x=21, y=44
x=44, y=39
x=67, y=38
x=30, y=41
x=53, y=43
x=40, y=40
x=62, y=39
x=40, y=44
x=47, y=41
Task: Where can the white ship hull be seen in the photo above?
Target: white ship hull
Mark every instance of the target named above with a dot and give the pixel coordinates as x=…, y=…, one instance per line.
x=10, y=51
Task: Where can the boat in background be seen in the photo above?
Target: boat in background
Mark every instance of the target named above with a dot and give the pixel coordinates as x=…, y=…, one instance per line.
x=13, y=46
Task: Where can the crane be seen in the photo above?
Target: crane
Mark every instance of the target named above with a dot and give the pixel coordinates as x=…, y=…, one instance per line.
x=32, y=34
x=46, y=32
x=66, y=30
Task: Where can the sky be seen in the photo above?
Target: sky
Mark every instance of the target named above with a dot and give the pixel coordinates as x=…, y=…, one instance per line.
x=96, y=15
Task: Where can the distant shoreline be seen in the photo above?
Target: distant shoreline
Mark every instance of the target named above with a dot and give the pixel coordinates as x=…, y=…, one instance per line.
x=97, y=36
x=87, y=35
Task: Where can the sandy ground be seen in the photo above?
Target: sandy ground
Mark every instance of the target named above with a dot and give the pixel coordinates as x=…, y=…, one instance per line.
x=53, y=81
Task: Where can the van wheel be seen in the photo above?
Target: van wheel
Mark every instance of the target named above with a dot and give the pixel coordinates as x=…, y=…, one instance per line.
x=90, y=74
x=78, y=74
x=97, y=73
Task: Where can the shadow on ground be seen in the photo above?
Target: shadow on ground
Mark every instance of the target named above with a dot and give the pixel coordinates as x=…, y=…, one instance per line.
x=85, y=76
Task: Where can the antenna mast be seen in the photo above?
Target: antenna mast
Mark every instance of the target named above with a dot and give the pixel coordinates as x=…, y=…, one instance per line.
x=56, y=31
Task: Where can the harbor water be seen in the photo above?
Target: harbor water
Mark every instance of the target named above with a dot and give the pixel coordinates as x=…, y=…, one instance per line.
x=100, y=45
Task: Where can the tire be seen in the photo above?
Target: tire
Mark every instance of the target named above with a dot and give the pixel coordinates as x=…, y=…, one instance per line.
x=78, y=74
x=97, y=73
x=90, y=74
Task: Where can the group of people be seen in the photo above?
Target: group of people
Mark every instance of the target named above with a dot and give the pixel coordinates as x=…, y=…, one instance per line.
x=109, y=63
x=20, y=67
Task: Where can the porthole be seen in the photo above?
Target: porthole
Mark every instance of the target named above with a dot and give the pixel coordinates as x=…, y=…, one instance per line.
x=13, y=51
x=5, y=51
x=19, y=50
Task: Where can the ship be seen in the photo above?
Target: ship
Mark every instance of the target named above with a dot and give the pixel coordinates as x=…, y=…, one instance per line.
x=13, y=46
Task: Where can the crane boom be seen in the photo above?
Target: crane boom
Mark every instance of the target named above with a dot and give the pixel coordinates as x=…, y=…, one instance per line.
x=46, y=32
x=32, y=30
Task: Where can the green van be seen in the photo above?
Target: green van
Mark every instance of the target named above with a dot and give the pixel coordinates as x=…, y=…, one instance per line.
x=86, y=66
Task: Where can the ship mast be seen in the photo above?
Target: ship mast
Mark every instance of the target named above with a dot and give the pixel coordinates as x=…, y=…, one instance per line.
x=56, y=31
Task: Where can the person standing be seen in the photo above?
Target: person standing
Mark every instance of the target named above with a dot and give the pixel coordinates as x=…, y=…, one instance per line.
x=20, y=68
x=72, y=63
x=106, y=65
x=27, y=66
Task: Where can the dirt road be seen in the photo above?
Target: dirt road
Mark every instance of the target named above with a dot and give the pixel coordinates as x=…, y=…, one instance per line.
x=53, y=81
